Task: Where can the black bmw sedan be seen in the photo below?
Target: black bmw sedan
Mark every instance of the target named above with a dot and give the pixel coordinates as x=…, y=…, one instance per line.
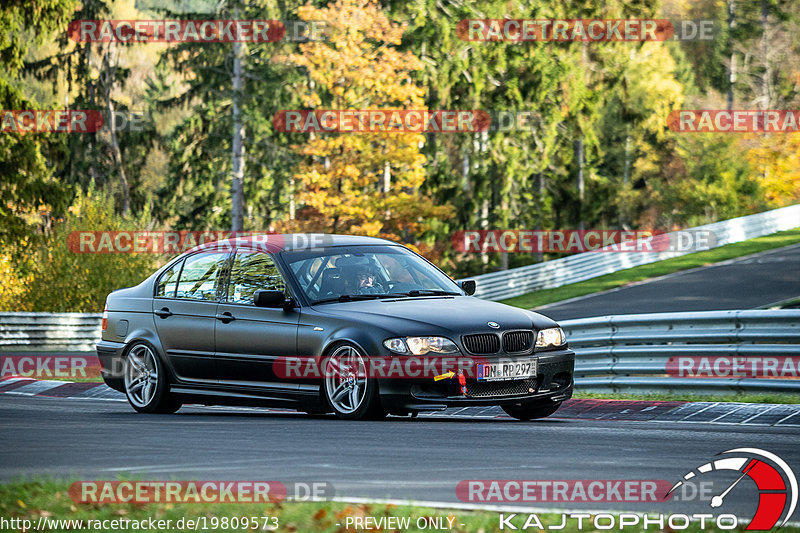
x=357, y=326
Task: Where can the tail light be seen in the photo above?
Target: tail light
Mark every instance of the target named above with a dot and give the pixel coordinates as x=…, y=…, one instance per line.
x=104, y=324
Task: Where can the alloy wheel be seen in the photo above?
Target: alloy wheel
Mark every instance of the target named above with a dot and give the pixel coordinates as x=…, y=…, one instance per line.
x=141, y=376
x=346, y=379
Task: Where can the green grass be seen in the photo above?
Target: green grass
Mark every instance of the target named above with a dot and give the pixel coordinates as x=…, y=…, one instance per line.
x=791, y=303
x=31, y=500
x=686, y=397
x=660, y=268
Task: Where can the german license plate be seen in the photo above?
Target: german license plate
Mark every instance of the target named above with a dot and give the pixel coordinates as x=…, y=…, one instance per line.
x=506, y=369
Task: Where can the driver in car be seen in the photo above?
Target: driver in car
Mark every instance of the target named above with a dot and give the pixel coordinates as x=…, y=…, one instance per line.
x=365, y=282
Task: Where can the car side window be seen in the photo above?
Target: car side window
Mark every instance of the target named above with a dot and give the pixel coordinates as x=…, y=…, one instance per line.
x=198, y=280
x=168, y=281
x=252, y=271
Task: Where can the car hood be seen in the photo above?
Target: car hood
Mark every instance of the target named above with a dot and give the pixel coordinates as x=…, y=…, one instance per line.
x=431, y=315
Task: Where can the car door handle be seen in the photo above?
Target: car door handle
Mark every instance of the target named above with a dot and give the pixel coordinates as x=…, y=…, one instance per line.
x=225, y=317
x=164, y=312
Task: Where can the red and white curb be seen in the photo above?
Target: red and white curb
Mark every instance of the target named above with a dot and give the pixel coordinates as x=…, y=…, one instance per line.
x=59, y=389
x=729, y=413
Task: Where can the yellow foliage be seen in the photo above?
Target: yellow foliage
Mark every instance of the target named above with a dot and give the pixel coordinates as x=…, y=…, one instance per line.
x=340, y=185
x=44, y=274
x=776, y=158
x=12, y=285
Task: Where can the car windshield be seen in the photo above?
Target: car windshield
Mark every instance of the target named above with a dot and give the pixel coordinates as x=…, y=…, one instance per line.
x=345, y=273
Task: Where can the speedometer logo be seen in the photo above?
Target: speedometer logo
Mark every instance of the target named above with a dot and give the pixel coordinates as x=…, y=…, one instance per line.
x=776, y=483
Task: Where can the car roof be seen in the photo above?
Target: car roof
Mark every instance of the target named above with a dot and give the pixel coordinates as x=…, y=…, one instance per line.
x=277, y=242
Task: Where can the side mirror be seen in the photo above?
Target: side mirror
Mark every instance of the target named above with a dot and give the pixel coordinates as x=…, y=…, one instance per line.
x=468, y=286
x=264, y=298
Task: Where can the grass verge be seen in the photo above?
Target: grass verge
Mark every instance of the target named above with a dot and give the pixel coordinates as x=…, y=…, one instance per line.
x=49, y=501
x=660, y=268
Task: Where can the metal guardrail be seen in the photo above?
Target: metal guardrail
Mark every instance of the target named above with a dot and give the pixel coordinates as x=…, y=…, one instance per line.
x=49, y=332
x=580, y=267
x=634, y=353
x=623, y=353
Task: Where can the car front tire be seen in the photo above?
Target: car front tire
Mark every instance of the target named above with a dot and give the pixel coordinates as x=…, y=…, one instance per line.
x=145, y=381
x=347, y=387
x=531, y=411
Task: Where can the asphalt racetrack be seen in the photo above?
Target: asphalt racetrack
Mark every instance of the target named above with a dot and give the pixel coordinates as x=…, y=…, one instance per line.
x=742, y=283
x=399, y=458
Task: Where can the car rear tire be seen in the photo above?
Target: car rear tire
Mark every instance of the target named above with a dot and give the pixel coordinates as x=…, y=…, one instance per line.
x=145, y=381
x=531, y=411
x=347, y=387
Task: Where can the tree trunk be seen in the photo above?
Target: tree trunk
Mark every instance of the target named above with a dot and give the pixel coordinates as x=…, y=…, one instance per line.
x=387, y=186
x=292, y=205
x=627, y=170
x=581, y=185
x=237, y=163
x=540, y=184
x=465, y=172
x=732, y=65
x=93, y=135
x=626, y=176
x=485, y=225
x=767, y=76
x=112, y=125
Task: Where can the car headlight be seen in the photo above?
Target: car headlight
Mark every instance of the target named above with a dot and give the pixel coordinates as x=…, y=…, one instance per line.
x=396, y=345
x=550, y=337
x=421, y=345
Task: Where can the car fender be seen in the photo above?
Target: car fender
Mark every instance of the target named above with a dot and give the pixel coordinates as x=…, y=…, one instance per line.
x=365, y=340
x=149, y=336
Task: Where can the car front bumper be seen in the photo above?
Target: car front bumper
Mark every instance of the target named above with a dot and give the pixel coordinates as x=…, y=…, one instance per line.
x=553, y=383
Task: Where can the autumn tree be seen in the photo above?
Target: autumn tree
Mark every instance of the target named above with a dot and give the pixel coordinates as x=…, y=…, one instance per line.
x=366, y=183
x=776, y=159
x=27, y=188
x=196, y=190
x=612, y=97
